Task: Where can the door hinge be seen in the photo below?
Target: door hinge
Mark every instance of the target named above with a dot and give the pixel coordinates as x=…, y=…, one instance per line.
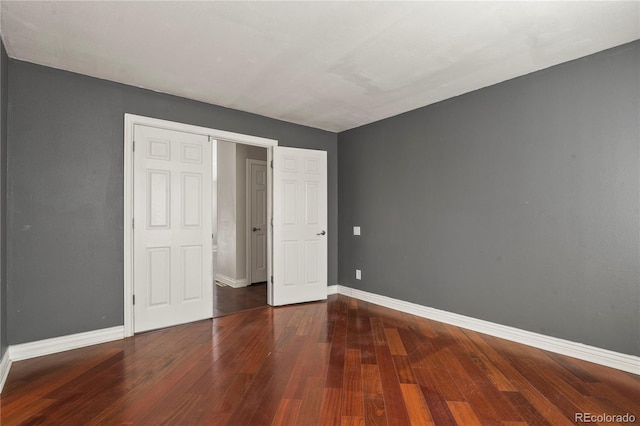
x=133, y=223
x=134, y=299
x=134, y=146
x=271, y=221
x=272, y=164
x=271, y=279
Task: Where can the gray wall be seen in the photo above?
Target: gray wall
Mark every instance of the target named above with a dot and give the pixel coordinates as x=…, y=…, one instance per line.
x=65, y=210
x=516, y=204
x=4, y=74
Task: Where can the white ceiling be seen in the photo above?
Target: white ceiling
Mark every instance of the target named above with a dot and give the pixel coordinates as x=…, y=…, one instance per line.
x=329, y=65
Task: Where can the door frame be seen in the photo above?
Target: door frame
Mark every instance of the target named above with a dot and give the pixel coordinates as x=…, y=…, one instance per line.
x=130, y=120
x=248, y=206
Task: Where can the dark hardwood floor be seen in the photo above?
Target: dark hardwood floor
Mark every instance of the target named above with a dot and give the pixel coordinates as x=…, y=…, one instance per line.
x=229, y=300
x=340, y=362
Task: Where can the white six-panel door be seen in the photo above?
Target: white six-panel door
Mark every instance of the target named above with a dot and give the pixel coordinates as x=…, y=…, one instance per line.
x=172, y=276
x=299, y=225
x=258, y=220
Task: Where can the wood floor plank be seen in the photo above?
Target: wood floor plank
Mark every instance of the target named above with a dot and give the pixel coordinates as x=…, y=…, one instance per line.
x=25, y=416
x=371, y=384
x=181, y=405
x=264, y=399
x=414, y=346
x=367, y=346
x=554, y=377
x=55, y=377
x=287, y=412
x=483, y=362
x=268, y=406
x=135, y=406
x=443, y=381
x=394, y=400
x=463, y=413
x=526, y=410
x=78, y=397
x=352, y=421
x=481, y=376
x=531, y=373
x=375, y=412
x=536, y=397
x=628, y=403
x=377, y=330
x=352, y=402
x=419, y=413
x=309, y=411
x=435, y=399
x=335, y=373
x=623, y=383
x=343, y=361
x=326, y=334
x=438, y=375
x=330, y=411
x=353, y=335
x=238, y=386
x=309, y=364
x=394, y=341
x=470, y=388
x=403, y=369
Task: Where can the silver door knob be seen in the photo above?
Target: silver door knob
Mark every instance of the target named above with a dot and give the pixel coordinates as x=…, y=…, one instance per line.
x=255, y=229
x=323, y=232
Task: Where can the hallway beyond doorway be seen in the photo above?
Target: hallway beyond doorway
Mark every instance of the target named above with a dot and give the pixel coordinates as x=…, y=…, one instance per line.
x=229, y=300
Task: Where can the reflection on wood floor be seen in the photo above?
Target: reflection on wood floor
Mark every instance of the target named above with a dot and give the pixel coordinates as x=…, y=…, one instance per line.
x=228, y=300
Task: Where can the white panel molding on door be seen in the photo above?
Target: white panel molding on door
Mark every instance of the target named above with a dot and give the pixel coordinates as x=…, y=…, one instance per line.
x=299, y=225
x=189, y=184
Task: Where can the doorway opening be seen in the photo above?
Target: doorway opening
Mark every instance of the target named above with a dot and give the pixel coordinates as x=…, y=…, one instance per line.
x=132, y=264
x=239, y=224
x=164, y=200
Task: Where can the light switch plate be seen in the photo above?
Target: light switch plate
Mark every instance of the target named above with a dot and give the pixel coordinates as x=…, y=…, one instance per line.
x=356, y=230
x=358, y=274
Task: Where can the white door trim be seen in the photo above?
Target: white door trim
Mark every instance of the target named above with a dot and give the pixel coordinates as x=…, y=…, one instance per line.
x=130, y=120
x=248, y=206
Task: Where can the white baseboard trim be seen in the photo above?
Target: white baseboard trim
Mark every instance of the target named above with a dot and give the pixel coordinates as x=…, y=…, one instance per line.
x=620, y=361
x=5, y=366
x=231, y=282
x=332, y=289
x=64, y=343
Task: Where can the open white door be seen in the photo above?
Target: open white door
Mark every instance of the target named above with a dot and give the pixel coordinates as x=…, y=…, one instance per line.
x=299, y=225
x=172, y=272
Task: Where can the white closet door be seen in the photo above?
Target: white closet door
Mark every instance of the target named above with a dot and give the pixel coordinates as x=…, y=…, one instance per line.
x=172, y=228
